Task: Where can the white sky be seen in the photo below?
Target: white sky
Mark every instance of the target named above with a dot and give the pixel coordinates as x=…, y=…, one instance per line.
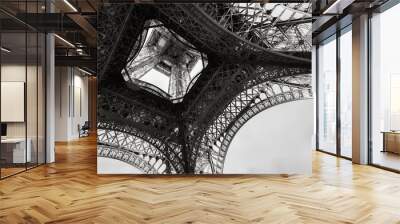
x=157, y=78
x=162, y=81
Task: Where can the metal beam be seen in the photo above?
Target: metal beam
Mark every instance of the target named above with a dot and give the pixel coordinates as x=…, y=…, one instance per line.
x=84, y=61
x=90, y=31
x=49, y=22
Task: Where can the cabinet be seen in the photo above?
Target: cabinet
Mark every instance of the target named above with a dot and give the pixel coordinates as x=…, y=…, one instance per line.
x=391, y=142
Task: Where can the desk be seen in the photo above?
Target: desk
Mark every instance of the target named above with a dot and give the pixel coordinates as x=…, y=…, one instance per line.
x=391, y=141
x=13, y=150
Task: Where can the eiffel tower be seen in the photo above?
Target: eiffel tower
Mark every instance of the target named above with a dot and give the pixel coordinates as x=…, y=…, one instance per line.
x=252, y=57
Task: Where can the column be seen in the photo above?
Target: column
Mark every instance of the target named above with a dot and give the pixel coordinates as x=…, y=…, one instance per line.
x=50, y=93
x=360, y=90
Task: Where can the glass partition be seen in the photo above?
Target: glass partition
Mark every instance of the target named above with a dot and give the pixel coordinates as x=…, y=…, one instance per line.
x=31, y=98
x=41, y=97
x=13, y=103
x=22, y=88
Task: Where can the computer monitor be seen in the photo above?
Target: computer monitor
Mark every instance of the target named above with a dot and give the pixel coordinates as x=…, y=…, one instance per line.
x=3, y=129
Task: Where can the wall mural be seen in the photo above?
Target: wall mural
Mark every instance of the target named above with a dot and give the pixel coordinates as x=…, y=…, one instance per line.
x=177, y=81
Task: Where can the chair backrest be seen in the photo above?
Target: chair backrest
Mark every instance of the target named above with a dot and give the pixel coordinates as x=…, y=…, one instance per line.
x=86, y=125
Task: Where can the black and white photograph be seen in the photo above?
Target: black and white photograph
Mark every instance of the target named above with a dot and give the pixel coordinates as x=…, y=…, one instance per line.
x=199, y=88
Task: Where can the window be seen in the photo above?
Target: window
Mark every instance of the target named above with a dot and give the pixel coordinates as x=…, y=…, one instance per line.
x=327, y=95
x=346, y=92
x=385, y=89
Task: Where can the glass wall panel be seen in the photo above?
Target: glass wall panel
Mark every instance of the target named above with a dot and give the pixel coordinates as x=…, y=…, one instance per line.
x=41, y=99
x=22, y=67
x=42, y=90
x=327, y=95
x=33, y=61
x=385, y=89
x=346, y=92
x=31, y=98
x=13, y=94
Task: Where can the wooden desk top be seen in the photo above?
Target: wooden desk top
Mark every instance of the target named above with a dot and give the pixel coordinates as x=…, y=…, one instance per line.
x=13, y=140
x=391, y=132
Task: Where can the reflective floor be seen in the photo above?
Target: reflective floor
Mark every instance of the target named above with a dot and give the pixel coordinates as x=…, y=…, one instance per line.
x=387, y=159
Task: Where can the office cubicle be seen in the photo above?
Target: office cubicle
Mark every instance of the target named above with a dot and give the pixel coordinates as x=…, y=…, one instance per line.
x=22, y=77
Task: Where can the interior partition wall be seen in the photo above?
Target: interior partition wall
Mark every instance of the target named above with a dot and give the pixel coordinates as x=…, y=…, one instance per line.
x=334, y=94
x=23, y=87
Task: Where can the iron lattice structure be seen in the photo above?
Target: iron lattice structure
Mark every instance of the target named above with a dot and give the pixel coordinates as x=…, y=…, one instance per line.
x=258, y=56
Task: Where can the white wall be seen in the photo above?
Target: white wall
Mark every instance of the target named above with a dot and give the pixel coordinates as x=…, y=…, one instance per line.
x=78, y=118
x=61, y=103
x=70, y=83
x=34, y=125
x=18, y=73
x=15, y=73
x=276, y=141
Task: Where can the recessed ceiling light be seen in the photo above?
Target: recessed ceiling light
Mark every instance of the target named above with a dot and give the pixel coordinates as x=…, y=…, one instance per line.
x=64, y=40
x=337, y=7
x=84, y=71
x=70, y=5
x=5, y=50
